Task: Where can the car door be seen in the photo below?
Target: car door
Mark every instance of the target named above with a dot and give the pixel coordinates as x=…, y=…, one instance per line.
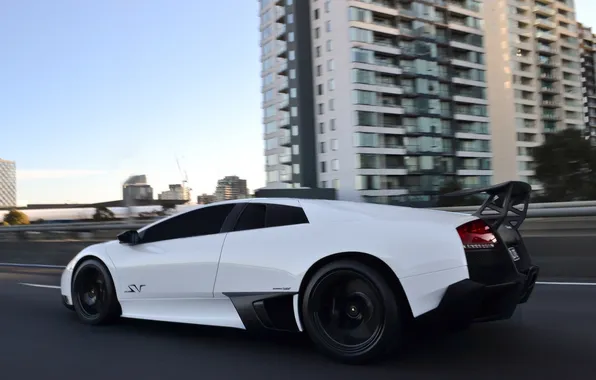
x=176, y=258
x=266, y=239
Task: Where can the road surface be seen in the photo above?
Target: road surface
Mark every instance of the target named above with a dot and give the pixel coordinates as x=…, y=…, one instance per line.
x=553, y=336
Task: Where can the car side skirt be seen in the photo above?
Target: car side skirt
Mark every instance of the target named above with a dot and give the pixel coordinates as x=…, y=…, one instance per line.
x=267, y=311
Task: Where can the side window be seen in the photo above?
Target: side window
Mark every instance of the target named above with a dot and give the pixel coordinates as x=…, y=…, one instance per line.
x=204, y=221
x=258, y=215
x=280, y=215
x=252, y=217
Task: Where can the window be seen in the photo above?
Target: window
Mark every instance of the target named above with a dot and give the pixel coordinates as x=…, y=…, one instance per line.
x=332, y=124
x=207, y=220
x=295, y=149
x=322, y=146
x=318, y=51
x=292, y=73
x=317, y=32
x=335, y=164
x=336, y=184
x=321, y=108
x=321, y=127
x=319, y=89
x=294, y=130
x=316, y=14
x=334, y=144
x=331, y=104
x=330, y=65
x=253, y=217
x=294, y=111
x=331, y=84
x=258, y=215
x=319, y=70
x=327, y=6
x=291, y=36
x=323, y=166
x=296, y=169
x=292, y=92
x=328, y=26
x=329, y=45
x=291, y=18
x=292, y=55
x=281, y=215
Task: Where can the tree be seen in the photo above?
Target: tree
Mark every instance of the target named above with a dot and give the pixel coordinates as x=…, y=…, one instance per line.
x=15, y=217
x=565, y=164
x=103, y=213
x=450, y=187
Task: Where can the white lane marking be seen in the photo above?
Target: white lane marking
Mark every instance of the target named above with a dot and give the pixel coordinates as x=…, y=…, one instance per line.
x=41, y=266
x=566, y=283
x=40, y=285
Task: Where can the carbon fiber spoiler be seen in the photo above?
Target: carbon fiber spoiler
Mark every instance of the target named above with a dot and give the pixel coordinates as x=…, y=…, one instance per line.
x=507, y=203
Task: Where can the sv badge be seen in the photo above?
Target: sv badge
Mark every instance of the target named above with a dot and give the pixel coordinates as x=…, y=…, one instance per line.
x=134, y=288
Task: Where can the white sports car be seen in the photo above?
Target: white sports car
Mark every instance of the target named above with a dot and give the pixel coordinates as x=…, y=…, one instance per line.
x=350, y=275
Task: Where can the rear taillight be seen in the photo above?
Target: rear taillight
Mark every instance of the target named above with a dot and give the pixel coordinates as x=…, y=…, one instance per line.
x=476, y=235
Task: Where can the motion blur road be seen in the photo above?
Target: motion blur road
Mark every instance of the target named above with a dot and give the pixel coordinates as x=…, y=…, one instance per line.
x=553, y=336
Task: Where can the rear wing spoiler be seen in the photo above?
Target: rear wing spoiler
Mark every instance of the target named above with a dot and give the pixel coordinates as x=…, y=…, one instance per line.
x=507, y=203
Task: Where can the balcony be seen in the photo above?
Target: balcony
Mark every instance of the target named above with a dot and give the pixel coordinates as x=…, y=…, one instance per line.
x=550, y=116
x=284, y=123
x=545, y=23
x=549, y=103
x=282, y=49
x=280, y=33
x=545, y=49
x=461, y=4
x=541, y=9
x=285, y=159
x=546, y=36
x=551, y=77
x=282, y=69
x=285, y=140
x=284, y=86
x=280, y=14
x=547, y=62
x=284, y=105
x=548, y=89
x=285, y=177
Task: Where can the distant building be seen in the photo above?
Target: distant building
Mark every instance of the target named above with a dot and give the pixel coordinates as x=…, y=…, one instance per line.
x=176, y=192
x=206, y=199
x=231, y=187
x=8, y=183
x=135, y=189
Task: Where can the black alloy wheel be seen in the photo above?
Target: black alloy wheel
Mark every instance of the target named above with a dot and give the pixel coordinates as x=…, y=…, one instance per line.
x=351, y=313
x=93, y=294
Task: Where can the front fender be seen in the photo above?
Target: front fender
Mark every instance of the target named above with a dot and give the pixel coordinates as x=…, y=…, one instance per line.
x=97, y=251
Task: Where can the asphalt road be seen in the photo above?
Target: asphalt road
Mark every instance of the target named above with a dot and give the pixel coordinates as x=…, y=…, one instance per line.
x=553, y=336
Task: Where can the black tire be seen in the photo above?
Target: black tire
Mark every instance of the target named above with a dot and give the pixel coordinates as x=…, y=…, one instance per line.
x=366, y=302
x=93, y=294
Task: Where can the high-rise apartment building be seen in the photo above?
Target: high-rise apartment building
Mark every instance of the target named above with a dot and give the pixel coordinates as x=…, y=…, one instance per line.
x=136, y=188
x=8, y=183
x=231, y=187
x=588, y=51
x=534, y=79
x=384, y=100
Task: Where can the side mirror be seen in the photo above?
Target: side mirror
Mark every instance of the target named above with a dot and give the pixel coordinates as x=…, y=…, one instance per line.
x=129, y=237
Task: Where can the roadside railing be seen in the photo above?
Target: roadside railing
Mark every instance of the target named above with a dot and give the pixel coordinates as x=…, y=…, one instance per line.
x=535, y=211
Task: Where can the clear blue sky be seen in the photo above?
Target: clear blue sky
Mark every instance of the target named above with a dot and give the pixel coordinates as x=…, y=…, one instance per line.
x=93, y=91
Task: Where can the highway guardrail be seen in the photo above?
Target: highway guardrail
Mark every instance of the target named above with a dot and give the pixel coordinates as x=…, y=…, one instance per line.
x=536, y=210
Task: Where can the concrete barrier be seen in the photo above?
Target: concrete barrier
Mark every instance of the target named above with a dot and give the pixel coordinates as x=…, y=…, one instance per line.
x=559, y=256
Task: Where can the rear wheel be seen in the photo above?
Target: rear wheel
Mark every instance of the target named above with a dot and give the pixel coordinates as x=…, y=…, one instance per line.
x=93, y=294
x=351, y=313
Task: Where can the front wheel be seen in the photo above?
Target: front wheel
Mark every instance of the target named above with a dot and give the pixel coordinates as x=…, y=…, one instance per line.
x=351, y=313
x=93, y=293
